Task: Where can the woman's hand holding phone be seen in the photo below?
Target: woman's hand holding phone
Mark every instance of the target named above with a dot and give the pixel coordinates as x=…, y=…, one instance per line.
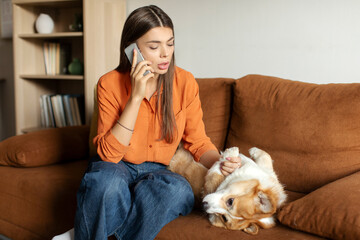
x=138, y=80
x=126, y=123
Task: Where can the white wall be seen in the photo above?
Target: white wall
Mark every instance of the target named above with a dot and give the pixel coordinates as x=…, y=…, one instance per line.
x=307, y=40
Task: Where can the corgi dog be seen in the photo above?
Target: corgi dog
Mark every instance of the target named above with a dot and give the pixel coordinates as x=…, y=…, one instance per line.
x=245, y=200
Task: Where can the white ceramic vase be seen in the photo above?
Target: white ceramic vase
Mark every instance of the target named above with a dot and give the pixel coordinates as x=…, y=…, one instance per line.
x=44, y=24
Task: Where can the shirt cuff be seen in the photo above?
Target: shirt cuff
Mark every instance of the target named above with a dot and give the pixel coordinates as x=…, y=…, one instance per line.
x=110, y=149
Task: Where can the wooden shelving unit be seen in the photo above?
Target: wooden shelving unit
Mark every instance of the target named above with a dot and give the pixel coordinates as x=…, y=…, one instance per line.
x=52, y=35
x=96, y=47
x=53, y=77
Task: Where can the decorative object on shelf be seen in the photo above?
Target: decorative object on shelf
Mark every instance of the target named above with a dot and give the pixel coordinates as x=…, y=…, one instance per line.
x=77, y=26
x=44, y=23
x=75, y=67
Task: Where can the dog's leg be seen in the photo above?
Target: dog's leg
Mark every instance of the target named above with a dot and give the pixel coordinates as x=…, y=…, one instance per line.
x=261, y=157
x=183, y=164
x=214, y=176
x=213, y=179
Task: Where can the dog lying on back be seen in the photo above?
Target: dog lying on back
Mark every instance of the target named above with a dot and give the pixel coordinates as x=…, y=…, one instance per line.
x=244, y=200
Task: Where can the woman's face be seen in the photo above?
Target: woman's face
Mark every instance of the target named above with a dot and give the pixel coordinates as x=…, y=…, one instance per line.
x=157, y=46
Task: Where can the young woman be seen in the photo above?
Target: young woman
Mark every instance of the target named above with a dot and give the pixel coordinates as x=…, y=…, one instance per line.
x=127, y=192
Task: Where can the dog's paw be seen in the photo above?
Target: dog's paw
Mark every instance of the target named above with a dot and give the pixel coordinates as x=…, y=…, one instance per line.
x=230, y=152
x=261, y=157
x=255, y=152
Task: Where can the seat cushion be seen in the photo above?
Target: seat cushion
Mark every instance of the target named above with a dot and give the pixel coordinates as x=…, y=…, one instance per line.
x=312, y=131
x=197, y=226
x=39, y=203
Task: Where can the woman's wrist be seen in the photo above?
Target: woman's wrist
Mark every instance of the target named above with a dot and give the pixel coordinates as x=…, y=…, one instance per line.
x=131, y=130
x=135, y=100
x=209, y=158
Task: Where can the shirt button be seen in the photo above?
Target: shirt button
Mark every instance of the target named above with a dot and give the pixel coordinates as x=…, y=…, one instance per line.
x=150, y=146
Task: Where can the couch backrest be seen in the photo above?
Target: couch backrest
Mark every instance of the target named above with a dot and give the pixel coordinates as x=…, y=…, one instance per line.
x=216, y=97
x=311, y=131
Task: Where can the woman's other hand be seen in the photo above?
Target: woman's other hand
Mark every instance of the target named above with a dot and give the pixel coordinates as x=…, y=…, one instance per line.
x=229, y=166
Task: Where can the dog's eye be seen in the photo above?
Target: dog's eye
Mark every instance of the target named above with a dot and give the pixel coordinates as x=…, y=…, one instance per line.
x=229, y=202
x=224, y=218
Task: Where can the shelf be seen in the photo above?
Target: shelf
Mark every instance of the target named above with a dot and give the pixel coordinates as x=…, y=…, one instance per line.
x=49, y=3
x=96, y=53
x=52, y=77
x=51, y=35
x=33, y=129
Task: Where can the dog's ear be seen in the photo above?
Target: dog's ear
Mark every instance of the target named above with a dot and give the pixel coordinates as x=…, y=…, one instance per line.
x=266, y=203
x=252, y=229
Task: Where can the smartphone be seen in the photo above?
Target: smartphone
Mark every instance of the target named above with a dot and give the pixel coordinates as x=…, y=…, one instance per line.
x=129, y=51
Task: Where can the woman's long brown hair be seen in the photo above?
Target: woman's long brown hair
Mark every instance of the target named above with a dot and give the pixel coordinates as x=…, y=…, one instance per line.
x=139, y=22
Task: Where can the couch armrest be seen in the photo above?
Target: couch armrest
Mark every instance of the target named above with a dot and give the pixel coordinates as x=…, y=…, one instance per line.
x=45, y=147
x=331, y=211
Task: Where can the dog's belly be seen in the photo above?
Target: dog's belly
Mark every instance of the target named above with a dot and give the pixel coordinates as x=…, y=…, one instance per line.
x=249, y=170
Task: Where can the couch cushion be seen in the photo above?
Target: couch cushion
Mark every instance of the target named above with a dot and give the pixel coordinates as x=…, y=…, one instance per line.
x=39, y=203
x=331, y=211
x=197, y=226
x=45, y=147
x=216, y=97
x=311, y=131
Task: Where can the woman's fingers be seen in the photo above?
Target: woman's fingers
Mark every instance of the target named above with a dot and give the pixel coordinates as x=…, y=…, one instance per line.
x=133, y=64
x=138, y=80
x=145, y=68
x=141, y=68
x=235, y=160
x=225, y=170
x=229, y=166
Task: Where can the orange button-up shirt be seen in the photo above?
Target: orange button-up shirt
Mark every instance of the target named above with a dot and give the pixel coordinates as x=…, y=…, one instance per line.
x=113, y=92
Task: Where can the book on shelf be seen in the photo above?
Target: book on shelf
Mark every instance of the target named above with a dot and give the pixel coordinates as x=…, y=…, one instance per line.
x=56, y=57
x=61, y=110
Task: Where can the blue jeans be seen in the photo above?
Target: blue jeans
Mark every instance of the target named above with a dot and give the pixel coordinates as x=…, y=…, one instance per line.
x=129, y=201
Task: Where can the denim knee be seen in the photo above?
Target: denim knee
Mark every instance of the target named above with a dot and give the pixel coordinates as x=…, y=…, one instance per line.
x=104, y=200
x=181, y=190
x=105, y=180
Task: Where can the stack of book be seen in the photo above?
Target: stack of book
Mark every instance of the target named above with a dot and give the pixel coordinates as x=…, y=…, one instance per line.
x=61, y=110
x=56, y=58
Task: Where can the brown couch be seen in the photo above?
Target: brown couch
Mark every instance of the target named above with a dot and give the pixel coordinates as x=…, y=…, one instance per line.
x=312, y=132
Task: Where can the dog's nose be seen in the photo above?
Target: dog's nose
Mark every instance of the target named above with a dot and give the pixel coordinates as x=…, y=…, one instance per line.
x=205, y=206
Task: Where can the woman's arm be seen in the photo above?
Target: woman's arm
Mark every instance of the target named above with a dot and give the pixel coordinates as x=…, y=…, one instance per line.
x=124, y=127
x=209, y=158
x=195, y=138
